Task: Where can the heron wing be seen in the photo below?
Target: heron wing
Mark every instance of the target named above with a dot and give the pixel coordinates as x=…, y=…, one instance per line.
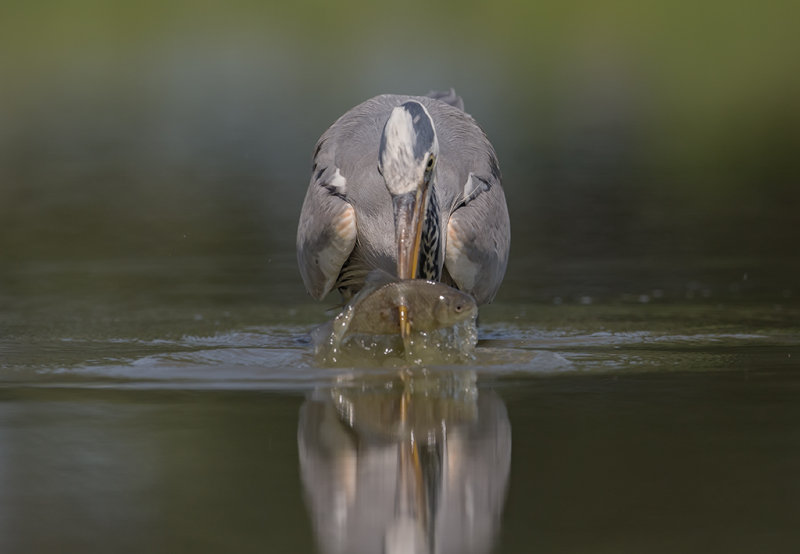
x=326, y=233
x=479, y=238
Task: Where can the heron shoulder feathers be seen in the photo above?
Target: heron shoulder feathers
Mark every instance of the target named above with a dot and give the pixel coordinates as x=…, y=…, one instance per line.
x=478, y=239
x=326, y=233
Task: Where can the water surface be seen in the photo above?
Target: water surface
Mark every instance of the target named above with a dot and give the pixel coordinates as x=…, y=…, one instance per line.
x=174, y=404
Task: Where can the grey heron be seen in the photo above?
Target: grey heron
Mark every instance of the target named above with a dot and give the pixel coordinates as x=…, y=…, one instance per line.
x=410, y=185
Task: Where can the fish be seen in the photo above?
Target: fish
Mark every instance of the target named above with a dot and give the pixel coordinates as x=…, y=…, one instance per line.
x=431, y=305
x=443, y=323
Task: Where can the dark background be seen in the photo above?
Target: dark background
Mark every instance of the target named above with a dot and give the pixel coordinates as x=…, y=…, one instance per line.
x=653, y=136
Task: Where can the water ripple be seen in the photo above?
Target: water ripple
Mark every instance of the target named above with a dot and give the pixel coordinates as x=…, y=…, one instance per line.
x=281, y=357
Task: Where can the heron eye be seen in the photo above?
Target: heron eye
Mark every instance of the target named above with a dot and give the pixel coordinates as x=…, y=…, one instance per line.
x=430, y=162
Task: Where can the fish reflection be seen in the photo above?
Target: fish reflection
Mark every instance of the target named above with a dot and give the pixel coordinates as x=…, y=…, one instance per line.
x=405, y=464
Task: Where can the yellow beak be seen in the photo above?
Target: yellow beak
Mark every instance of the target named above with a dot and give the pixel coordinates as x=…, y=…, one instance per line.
x=409, y=215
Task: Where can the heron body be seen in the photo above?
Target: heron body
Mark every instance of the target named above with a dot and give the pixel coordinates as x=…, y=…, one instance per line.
x=406, y=184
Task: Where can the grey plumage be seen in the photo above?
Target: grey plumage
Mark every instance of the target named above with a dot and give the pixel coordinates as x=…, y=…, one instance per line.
x=346, y=224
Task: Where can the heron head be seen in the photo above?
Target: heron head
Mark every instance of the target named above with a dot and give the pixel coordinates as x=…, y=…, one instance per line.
x=407, y=159
x=408, y=148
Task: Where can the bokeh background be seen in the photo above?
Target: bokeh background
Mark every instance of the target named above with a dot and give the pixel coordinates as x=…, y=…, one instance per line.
x=659, y=137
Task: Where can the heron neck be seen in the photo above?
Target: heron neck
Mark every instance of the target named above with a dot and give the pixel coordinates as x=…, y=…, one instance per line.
x=430, y=252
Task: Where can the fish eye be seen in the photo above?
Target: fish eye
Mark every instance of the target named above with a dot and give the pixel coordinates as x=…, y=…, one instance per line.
x=458, y=307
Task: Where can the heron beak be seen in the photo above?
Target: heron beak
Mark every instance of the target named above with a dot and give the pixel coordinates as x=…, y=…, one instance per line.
x=409, y=214
x=408, y=231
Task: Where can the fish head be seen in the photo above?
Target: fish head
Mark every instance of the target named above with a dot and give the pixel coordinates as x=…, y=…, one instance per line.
x=452, y=306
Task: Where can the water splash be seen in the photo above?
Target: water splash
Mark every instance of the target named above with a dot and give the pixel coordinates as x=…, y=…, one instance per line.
x=335, y=346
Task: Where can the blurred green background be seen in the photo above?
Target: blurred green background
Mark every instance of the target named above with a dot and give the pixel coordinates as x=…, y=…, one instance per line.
x=625, y=130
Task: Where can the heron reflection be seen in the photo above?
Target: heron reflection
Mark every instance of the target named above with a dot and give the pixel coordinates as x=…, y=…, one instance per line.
x=405, y=465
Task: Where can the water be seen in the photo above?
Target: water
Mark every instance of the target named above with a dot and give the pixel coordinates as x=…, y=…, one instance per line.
x=143, y=412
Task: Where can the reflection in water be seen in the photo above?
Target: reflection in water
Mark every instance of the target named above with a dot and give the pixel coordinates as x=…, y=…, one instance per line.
x=405, y=465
